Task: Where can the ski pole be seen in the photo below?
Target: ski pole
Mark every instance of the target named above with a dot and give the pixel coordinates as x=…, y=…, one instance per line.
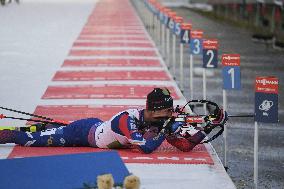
x=34, y=115
x=33, y=120
x=25, y=113
x=248, y=115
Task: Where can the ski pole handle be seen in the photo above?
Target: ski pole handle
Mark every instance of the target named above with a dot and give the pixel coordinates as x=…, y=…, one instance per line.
x=2, y=116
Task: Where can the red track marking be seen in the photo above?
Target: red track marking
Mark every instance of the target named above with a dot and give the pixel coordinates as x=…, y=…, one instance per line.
x=113, y=24
x=101, y=91
x=108, y=32
x=112, y=44
x=75, y=112
x=164, y=154
x=111, y=53
x=111, y=38
x=111, y=62
x=119, y=14
x=119, y=28
x=110, y=75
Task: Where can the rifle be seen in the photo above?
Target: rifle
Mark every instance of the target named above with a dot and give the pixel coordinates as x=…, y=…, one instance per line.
x=194, y=118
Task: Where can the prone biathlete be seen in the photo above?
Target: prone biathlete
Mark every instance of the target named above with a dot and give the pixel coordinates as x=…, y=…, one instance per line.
x=133, y=128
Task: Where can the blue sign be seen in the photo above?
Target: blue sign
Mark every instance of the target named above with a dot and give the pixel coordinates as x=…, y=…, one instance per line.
x=266, y=99
x=177, y=28
x=185, y=36
x=266, y=107
x=210, y=58
x=171, y=24
x=196, y=46
x=161, y=15
x=231, y=77
x=166, y=19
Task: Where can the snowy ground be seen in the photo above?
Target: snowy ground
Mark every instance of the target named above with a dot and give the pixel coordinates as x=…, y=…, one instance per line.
x=35, y=38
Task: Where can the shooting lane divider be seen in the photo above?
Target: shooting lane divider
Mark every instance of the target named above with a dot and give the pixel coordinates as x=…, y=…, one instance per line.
x=195, y=49
x=176, y=32
x=231, y=81
x=210, y=60
x=158, y=24
x=161, y=17
x=166, y=12
x=266, y=111
x=170, y=26
x=184, y=39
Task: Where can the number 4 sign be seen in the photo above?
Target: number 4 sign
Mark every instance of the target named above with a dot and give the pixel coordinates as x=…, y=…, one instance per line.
x=185, y=33
x=231, y=71
x=210, y=53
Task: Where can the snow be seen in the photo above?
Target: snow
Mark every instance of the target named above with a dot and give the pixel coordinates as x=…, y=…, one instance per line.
x=35, y=38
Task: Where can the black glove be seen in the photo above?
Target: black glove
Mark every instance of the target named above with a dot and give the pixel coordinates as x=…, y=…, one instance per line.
x=221, y=119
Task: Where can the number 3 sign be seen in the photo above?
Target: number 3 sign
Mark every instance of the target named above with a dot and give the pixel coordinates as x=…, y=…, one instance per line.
x=210, y=53
x=196, y=42
x=231, y=71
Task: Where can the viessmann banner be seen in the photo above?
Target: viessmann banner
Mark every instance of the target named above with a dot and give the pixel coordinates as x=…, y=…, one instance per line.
x=266, y=99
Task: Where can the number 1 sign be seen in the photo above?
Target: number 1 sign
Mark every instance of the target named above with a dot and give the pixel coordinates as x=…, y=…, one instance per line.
x=231, y=71
x=210, y=53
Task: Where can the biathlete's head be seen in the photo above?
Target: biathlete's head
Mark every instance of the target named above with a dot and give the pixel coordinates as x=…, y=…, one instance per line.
x=159, y=105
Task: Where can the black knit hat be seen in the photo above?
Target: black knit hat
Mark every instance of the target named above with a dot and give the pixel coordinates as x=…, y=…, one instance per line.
x=158, y=99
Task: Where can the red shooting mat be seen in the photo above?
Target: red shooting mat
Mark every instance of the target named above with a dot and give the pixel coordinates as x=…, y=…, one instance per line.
x=75, y=112
x=110, y=75
x=109, y=32
x=111, y=38
x=109, y=43
x=105, y=91
x=111, y=62
x=164, y=154
x=112, y=53
x=101, y=20
x=115, y=28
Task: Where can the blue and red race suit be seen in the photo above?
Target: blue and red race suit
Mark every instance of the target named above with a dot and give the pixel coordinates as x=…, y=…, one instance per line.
x=124, y=130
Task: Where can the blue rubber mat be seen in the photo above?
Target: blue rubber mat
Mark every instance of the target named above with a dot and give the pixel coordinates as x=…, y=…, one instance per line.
x=62, y=172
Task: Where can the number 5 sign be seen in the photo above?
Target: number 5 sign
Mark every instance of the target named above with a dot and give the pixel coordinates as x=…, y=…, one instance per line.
x=231, y=71
x=210, y=53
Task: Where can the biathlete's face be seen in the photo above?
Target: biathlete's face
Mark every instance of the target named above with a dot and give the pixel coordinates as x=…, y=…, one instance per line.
x=163, y=114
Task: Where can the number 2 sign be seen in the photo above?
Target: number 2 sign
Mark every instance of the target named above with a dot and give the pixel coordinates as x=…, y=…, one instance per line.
x=210, y=53
x=231, y=71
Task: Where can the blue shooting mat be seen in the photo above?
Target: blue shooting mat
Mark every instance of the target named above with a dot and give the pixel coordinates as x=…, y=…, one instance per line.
x=62, y=171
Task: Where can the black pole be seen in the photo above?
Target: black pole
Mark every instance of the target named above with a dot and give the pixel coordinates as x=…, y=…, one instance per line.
x=250, y=115
x=35, y=120
x=25, y=113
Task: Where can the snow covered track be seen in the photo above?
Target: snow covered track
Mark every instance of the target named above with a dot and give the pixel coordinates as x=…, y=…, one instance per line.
x=111, y=24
